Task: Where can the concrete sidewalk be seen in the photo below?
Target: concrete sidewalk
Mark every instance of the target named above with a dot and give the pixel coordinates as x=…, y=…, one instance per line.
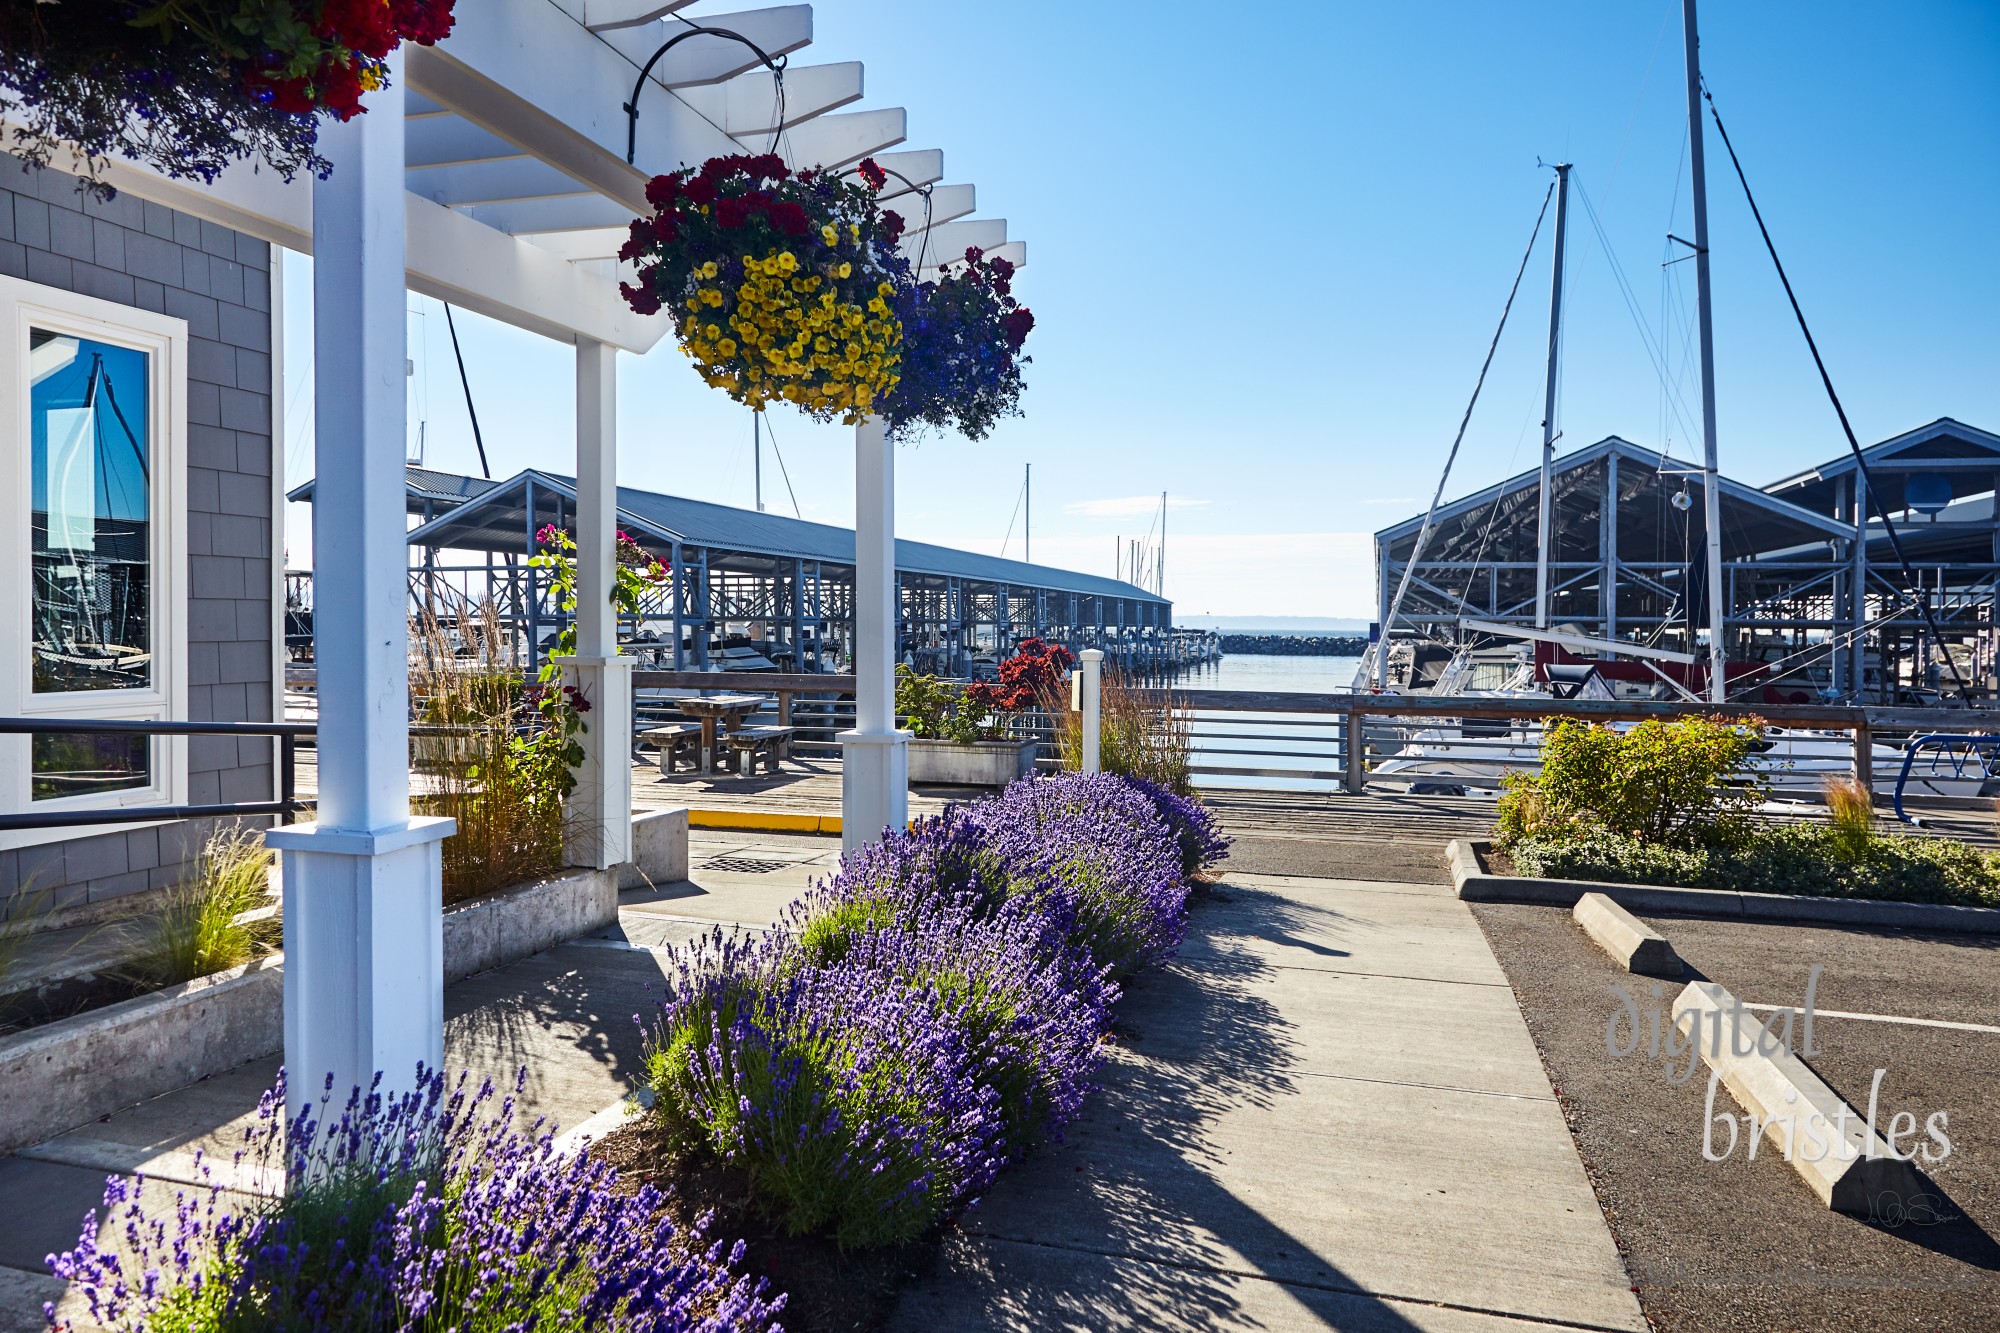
x=1326, y=1112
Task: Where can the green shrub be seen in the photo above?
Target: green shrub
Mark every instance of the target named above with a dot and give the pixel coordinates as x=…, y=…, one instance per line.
x=1805, y=859
x=1684, y=783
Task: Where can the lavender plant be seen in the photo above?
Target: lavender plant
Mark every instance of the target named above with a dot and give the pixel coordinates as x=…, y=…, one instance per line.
x=853, y=1099
x=1033, y=1004
x=922, y=1018
x=1093, y=846
x=428, y=1211
x=941, y=858
x=1200, y=839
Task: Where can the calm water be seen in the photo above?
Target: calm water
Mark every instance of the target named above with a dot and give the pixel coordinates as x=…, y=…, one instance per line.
x=1221, y=739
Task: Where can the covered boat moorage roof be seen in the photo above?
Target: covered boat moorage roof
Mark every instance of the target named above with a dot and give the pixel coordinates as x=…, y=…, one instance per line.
x=1951, y=468
x=1499, y=524
x=471, y=514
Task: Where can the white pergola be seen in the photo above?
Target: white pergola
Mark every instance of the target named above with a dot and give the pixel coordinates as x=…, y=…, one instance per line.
x=504, y=187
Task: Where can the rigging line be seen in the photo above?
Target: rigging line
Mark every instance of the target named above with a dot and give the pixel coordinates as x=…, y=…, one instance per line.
x=779, y=454
x=138, y=452
x=1018, y=496
x=458, y=355
x=1437, y=496
x=1826, y=380
x=1631, y=301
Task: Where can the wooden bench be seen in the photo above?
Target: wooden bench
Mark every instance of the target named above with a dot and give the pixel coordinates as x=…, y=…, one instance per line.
x=674, y=741
x=748, y=743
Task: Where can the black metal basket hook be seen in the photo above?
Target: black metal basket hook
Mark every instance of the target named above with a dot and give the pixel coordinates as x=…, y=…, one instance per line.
x=775, y=64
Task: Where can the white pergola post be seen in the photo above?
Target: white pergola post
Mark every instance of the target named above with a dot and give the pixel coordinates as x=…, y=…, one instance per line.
x=363, y=909
x=598, y=831
x=875, y=767
x=1091, y=706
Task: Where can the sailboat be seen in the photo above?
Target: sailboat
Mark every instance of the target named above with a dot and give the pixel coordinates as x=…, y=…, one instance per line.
x=1466, y=756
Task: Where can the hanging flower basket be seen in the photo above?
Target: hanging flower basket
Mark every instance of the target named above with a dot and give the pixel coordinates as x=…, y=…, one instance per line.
x=962, y=339
x=189, y=86
x=782, y=287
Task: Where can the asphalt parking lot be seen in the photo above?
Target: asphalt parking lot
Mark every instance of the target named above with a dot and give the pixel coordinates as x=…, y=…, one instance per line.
x=1736, y=1244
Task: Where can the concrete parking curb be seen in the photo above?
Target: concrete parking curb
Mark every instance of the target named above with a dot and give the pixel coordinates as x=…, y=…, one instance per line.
x=1475, y=884
x=1632, y=944
x=1793, y=1107
x=764, y=821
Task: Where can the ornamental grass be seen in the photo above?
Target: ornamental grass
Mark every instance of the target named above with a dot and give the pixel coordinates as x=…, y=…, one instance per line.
x=430, y=1211
x=930, y=1013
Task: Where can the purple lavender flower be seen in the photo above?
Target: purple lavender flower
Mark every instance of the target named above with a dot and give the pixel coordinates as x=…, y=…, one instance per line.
x=852, y=1097
x=1201, y=840
x=427, y=1210
x=1093, y=846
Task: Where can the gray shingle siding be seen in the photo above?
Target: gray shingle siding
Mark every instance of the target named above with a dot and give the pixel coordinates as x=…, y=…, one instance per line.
x=146, y=255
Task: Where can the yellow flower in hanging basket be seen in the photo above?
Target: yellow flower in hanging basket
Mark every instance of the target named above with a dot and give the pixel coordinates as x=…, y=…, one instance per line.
x=781, y=287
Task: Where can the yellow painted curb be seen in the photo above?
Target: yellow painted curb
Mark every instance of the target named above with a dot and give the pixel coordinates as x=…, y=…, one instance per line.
x=764, y=821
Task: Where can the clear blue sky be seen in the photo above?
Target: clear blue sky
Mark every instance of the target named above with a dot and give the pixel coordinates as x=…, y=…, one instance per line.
x=1268, y=243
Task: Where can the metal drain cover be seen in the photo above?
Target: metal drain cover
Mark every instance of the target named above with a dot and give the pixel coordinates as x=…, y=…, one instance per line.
x=744, y=865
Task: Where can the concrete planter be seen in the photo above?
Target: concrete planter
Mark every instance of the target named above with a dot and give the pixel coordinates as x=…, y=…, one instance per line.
x=1476, y=884
x=70, y=1072
x=981, y=764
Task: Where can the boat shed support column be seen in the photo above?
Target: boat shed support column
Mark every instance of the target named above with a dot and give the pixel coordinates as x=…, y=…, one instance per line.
x=364, y=918
x=1607, y=546
x=598, y=815
x=875, y=756
x=1858, y=592
x=1843, y=600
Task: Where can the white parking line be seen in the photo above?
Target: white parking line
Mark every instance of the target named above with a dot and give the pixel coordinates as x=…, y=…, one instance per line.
x=1880, y=1018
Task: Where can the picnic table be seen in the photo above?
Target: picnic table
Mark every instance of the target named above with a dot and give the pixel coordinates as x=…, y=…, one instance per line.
x=729, y=709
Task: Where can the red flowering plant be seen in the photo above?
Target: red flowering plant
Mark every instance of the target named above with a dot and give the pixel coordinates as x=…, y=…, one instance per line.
x=962, y=334
x=189, y=86
x=782, y=286
x=1036, y=668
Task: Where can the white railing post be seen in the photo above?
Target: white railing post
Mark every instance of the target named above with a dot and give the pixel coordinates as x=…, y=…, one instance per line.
x=598, y=819
x=1093, y=687
x=363, y=918
x=875, y=756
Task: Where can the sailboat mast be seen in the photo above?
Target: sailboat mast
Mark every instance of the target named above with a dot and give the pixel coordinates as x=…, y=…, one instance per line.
x=1028, y=512
x=757, y=455
x=1545, y=530
x=1718, y=599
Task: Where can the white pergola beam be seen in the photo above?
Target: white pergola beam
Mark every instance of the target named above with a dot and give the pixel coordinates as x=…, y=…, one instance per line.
x=445, y=139
x=948, y=203
x=947, y=243
x=495, y=180
x=703, y=59
x=529, y=73
x=921, y=167
x=598, y=15
x=457, y=259
x=835, y=141
x=748, y=103
x=551, y=213
x=1014, y=252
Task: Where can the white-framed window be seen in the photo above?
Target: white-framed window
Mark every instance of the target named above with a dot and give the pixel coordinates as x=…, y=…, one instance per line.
x=93, y=551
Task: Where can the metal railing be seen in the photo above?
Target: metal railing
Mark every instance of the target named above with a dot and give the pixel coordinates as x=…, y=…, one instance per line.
x=287, y=804
x=1337, y=733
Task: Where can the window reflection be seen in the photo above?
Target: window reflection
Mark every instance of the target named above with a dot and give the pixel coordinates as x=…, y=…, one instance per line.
x=89, y=763
x=92, y=505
